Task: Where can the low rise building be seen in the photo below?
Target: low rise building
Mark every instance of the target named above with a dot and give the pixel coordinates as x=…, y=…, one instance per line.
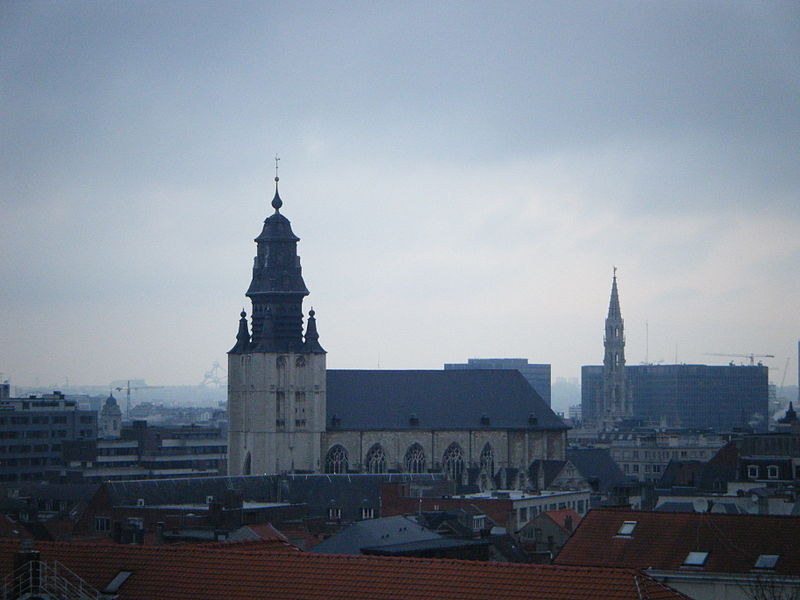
x=646, y=454
x=144, y=452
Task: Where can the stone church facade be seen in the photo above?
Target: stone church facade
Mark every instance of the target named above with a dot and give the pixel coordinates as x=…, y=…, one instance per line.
x=289, y=414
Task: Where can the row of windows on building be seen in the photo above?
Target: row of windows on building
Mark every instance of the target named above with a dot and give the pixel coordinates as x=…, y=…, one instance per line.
x=663, y=455
x=32, y=461
x=634, y=468
x=755, y=472
x=414, y=461
x=42, y=420
x=25, y=448
x=43, y=433
x=335, y=513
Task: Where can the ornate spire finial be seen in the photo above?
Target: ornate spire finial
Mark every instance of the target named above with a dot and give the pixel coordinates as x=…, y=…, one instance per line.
x=615, y=272
x=276, y=201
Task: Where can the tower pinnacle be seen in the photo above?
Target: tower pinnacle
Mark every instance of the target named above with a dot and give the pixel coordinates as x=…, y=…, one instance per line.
x=276, y=200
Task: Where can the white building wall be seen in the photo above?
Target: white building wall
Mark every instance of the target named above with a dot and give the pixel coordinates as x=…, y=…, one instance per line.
x=276, y=411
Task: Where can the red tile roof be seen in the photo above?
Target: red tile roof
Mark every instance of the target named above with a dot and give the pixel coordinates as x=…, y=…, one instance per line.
x=199, y=573
x=662, y=540
x=560, y=517
x=9, y=528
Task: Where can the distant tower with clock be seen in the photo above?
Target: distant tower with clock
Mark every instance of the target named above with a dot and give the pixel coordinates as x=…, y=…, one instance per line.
x=276, y=374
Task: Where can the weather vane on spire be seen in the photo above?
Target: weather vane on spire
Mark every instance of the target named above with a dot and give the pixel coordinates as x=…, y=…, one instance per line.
x=276, y=166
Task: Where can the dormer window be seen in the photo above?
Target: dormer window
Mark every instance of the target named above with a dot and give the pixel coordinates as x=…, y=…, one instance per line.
x=627, y=528
x=772, y=472
x=767, y=561
x=752, y=471
x=695, y=559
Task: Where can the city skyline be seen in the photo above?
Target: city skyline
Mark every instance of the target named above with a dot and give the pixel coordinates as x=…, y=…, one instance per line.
x=462, y=182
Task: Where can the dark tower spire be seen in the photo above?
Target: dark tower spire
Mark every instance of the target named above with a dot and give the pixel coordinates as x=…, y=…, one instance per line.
x=615, y=397
x=242, y=337
x=312, y=344
x=613, y=305
x=277, y=288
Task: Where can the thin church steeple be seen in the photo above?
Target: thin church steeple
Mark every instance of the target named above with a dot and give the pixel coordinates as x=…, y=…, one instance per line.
x=616, y=400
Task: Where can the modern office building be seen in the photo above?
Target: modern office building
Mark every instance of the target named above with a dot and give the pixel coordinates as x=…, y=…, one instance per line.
x=33, y=431
x=143, y=452
x=687, y=396
x=538, y=375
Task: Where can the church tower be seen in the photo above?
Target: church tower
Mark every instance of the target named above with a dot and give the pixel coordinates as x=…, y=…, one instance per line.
x=616, y=400
x=276, y=376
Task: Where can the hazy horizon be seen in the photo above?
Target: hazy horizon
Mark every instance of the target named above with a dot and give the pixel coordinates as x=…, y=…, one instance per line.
x=463, y=180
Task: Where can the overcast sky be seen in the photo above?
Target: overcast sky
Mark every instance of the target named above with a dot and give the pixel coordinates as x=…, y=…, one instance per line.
x=463, y=177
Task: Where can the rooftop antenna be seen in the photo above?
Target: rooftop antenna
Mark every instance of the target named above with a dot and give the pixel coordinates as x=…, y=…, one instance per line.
x=647, y=342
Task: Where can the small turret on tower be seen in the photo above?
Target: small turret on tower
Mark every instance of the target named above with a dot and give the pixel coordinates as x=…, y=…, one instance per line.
x=242, y=337
x=312, y=344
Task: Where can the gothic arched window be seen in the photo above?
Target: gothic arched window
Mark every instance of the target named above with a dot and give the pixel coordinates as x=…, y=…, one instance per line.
x=336, y=461
x=415, y=459
x=376, y=459
x=487, y=460
x=453, y=462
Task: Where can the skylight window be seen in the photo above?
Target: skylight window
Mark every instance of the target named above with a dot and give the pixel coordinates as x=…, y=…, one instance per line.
x=116, y=583
x=627, y=528
x=695, y=559
x=767, y=561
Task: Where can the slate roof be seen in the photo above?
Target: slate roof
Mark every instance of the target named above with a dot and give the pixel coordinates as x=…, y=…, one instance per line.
x=663, y=540
x=349, y=493
x=71, y=492
x=188, y=490
x=681, y=473
x=364, y=400
x=412, y=548
x=596, y=463
x=549, y=470
x=722, y=467
x=374, y=533
x=198, y=573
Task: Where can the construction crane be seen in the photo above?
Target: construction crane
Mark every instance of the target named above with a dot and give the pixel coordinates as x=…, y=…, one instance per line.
x=751, y=357
x=128, y=389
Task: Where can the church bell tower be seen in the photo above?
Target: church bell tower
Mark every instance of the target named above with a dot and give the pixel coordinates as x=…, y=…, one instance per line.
x=276, y=375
